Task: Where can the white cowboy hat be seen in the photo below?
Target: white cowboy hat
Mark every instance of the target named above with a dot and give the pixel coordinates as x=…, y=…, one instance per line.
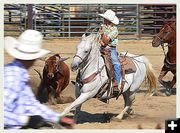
x=27, y=46
x=111, y=16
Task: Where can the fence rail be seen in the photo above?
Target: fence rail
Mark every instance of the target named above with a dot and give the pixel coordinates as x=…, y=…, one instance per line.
x=72, y=20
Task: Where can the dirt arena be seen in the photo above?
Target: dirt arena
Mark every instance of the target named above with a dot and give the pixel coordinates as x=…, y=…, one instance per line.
x=148, y=110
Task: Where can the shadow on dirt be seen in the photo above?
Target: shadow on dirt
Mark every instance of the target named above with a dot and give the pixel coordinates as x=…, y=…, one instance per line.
x=85, y=117
x=91, y=118
x=161, y=89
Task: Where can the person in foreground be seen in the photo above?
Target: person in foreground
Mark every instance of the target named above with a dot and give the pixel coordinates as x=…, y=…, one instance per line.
x=21, y=109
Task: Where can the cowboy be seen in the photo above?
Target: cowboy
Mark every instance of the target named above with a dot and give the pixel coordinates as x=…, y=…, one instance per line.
x=109, y=40
x=21, y=109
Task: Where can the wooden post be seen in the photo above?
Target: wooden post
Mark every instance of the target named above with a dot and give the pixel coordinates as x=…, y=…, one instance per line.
x=30, y=17
x=139, y=26
x=10, y=17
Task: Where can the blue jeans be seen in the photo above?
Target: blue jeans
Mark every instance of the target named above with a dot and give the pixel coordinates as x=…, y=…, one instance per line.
x=116, y=64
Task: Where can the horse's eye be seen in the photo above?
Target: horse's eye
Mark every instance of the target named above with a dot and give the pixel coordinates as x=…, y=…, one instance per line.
x=86, y=51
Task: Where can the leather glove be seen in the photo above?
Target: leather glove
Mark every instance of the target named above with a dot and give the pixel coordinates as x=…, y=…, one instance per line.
x=67, y=122
x=35, y=122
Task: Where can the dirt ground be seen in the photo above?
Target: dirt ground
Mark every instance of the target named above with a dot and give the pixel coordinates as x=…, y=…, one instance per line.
x=148, y=110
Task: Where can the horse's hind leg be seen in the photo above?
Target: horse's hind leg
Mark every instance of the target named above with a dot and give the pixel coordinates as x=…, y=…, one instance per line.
x=129, y=98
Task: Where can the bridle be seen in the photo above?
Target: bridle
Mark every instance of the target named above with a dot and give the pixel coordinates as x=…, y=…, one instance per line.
x=90, y=78
x=82, y=60
x=78, y=57
x=169, y=44
x=162, y=39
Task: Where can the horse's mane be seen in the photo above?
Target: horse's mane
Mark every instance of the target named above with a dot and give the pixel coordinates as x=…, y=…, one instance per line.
x=171, y=20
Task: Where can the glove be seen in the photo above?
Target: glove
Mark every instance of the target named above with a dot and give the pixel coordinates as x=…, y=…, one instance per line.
x=35, y=122
x=67, y=122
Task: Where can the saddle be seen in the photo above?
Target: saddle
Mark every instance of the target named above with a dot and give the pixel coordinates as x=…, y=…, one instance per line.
x=127, y=64
x=127, y=67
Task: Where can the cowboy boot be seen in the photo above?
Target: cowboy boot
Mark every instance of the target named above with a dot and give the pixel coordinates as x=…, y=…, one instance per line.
x=115, y=88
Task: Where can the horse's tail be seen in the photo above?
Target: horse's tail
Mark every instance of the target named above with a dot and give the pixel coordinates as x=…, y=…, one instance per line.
x=151, y=78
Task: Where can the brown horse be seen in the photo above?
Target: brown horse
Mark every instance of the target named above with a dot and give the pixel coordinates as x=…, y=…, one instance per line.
x=56, y=76
x=167, y=34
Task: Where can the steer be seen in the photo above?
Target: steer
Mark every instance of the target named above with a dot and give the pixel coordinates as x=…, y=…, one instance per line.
x=56, y=76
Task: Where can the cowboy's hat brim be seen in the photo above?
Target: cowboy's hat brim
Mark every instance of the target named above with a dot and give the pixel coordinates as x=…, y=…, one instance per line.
x=115, y=21
x=11, y=48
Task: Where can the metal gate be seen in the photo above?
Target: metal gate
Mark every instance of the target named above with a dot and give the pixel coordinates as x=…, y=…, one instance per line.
x=72, y=20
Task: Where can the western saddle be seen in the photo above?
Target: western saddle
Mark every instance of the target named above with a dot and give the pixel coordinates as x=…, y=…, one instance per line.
x=127, y=67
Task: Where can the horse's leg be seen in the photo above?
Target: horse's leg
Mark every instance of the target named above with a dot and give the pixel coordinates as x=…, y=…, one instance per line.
x=78, y=108
x=173, y=81
x=81, y=99
x=129, y=98
x=163, y=72
x=169, y=87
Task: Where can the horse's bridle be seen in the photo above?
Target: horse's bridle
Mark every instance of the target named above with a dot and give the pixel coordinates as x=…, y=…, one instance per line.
x=78, y=57
x=92, y=76
x=169, y=45
x=82, y=60
x=162, y=39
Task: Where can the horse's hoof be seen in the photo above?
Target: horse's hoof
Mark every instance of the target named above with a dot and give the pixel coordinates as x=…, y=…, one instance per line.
x=131, y=112
x=116, y=119
x=168, y=92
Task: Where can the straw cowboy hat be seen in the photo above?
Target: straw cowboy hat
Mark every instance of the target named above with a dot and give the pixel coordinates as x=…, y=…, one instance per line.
x=27, y=46
x=111, y=16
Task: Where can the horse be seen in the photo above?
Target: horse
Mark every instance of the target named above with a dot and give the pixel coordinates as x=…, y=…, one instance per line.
x=89, y=61
x=56, y=77
x=167, y=34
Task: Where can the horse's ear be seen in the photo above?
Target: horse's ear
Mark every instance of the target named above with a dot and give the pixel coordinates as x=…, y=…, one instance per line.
x=84, y=35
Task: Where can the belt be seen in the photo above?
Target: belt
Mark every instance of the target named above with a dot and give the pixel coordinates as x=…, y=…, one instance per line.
x=112, y=46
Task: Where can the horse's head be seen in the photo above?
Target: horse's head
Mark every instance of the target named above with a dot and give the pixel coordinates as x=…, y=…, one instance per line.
x=83, y=51
x=165, y=35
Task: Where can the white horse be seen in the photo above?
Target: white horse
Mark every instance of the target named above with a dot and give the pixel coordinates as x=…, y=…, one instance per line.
x=88, y=60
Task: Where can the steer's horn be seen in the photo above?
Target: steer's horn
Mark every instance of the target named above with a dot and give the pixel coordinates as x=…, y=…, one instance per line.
x=38, y=73
x=63, y=59
x=73, y=82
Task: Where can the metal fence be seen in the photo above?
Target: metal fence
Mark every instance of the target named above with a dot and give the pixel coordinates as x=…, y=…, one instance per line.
x=72, y=20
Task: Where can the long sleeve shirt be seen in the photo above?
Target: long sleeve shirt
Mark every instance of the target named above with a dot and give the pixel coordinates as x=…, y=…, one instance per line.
x=112, y=33
x=19, y=100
